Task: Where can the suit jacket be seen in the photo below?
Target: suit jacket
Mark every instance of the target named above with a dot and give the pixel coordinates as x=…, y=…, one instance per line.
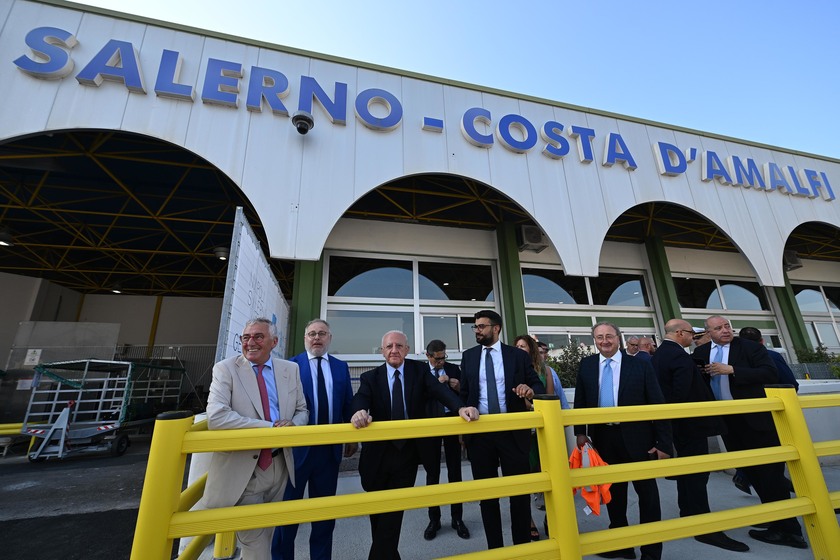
x=434, y=409
x=235, y=403
x=375, y=397
x=637, y=385
x=681, y=382
x=786, y=376
x=342, y=398
x=753, y=370
x=518, y=369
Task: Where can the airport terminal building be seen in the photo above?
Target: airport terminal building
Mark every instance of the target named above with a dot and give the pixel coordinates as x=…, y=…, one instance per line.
x=384, y=199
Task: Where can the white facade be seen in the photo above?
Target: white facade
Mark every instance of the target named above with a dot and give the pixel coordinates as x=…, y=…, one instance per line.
x=302, y=184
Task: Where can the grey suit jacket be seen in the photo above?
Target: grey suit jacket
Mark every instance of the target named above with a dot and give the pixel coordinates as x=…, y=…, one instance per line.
x=235, y=403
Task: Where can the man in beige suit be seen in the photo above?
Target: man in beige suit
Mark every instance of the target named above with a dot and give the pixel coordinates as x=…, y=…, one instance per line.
x=253, y=390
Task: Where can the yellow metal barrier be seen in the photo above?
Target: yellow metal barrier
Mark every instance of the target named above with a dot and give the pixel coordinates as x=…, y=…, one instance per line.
x=163, y=514
x=10, y=429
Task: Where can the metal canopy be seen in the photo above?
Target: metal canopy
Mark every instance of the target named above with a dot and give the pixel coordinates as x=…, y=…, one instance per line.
x=98, y=210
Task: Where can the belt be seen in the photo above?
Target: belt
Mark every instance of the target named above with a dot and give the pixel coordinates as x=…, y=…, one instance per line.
x=276, y=452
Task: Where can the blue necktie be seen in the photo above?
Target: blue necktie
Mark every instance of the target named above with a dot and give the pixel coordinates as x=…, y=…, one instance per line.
x=492, y=394
x=323, y=399
x=716, y=378
x=606, y=396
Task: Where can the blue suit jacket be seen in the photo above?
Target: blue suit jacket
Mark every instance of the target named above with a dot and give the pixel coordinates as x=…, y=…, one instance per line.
x=342, y=398
x=637, y=385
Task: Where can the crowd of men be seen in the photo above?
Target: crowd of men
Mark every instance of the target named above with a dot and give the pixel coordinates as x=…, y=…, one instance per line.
x=255, y=389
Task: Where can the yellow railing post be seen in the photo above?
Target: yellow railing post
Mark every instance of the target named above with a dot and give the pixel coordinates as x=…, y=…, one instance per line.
x=806, y=474
x=161, y=487
x=559, y=501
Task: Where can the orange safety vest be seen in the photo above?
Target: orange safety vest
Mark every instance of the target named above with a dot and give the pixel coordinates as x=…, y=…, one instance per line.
x=586, y=456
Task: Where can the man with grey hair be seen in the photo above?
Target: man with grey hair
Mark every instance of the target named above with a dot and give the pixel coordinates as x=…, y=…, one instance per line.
x=329, y=395
x=253, y=390
x=632, y=345
x=739, y=368
x=396, y=390
x=611, y=378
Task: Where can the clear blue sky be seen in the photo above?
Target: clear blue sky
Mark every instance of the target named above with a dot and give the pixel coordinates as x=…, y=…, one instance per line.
x=762, y=71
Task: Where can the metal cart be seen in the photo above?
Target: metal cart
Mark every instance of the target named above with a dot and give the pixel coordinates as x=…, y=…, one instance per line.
x=90, y=406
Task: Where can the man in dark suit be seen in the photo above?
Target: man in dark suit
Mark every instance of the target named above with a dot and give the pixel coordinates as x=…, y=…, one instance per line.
x=396, y=390
x=497, y=378
x=682, y=382
x=611, y=378
x=786, y=377
x=739, y=369
x=329, y=395
x=450, y=376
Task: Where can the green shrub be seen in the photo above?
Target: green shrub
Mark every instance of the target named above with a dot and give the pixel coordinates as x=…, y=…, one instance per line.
x=565, y=360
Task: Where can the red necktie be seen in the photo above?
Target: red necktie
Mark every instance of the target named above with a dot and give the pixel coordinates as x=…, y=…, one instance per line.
x=265, y=455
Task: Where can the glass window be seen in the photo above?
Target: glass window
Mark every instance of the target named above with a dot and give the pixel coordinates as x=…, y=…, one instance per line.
x=467, y=334
x=743, y=295
x=553, y=286
x=452, y=281
x=828, y=336
x=832, y=293
x=442, y=328
x=809, y=299
x=697, y=292
x=360, y=332
x=370, y=278
x=618, y=289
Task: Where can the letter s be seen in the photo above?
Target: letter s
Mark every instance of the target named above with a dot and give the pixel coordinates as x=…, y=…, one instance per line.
x=46, y=44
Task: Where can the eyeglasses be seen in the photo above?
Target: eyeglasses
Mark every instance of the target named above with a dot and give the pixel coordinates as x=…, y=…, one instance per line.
x=316, y=334
x=437, y=358
x=603, y=337
x=685, y=331
x=259, y=337
x=394, y=345
x=481, y=327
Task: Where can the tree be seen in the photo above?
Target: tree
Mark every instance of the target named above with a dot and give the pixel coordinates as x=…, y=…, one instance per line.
x=566, y=359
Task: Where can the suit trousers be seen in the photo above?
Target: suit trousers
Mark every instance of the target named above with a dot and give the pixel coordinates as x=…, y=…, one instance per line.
x=768, y=480
x=430, y=456
x=612, y=449
x=398, y=469
x=319, y=473
x=264, y=487
x=487, y=452
x=692, y=496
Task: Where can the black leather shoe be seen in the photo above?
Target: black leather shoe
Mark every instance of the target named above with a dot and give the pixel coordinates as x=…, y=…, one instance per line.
x=460, y=528
x=775, y=537
x=720, y=540
x=741, y=483
x=628, y=553
x=431, y=530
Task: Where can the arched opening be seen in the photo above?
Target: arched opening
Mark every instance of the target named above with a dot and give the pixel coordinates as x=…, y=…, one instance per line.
x=811, y=253
x=96, y=210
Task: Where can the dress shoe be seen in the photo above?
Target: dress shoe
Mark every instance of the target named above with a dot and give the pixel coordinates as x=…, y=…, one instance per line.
x=775, y=537
x=720, y=540
x=628, y=553
x=741, y=483
x=431, y=530
x=460, y=528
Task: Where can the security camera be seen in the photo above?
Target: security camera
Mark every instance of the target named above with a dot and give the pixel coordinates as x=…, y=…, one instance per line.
x=303, y=121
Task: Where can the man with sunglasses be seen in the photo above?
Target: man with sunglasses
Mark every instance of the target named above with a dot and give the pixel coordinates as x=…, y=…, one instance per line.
x=497, y=378
x=682, y=382
x=253, y=390
x=448, y=375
